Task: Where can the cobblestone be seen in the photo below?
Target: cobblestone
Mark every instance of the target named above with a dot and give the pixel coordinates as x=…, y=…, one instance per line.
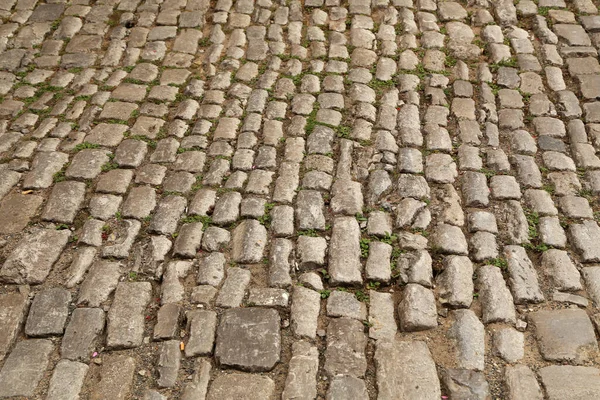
x=348, y=169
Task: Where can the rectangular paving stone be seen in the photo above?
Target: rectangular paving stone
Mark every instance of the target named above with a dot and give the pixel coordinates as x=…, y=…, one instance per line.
x=169, y=359
x=30, y=262
x=64, y=202
x=82, y=334
x=523, y=277
x=116, y=377
x=13, y=308
x=197, y=388
x=67, y=380
x=125, y=327
x=249, y=339
x=241, y=387
x=346, y=345
x=43, y=168
x=99, y=283
x=48, y=313
x=202, y=328
x=301, y=381
x=565, y=335
x=344, y=252
x=25, y=367
x=234, y=288
x=16, y=210
x=566, y=382
x=405, y=369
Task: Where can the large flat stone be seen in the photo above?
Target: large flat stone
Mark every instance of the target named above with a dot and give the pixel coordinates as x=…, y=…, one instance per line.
x=406, y=370
x=566, y=382
x=249, y=339
x=16, y=210
x=25, y=367
x=565, y=335
x=31, y=261
x=13, y=307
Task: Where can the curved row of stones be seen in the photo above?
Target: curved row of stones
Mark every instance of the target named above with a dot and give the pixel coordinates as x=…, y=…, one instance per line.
x=259, y=200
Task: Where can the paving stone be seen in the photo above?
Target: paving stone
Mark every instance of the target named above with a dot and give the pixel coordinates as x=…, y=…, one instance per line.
x=30, y=262
x=468, y=332
x=523, y=278
x=16, y=210
x=167, y=321
x=65, y=200
x=116, y=376
x=569, y=382
x=14, y=306
x=202, y=326
x=82, y=334
x=406, y=368
x=48, y=313
x=241, y=386
x=249, y=339
x=67, y=380
x=25, y=367
x=125, y=320
x=301, y=381
x=462, y=383
x=521, y=383
x=168, y=363
x=248, y=242
x=234, y=288
x=565, y=335
x=346, y=342
x=305, y=311
x=344, y=252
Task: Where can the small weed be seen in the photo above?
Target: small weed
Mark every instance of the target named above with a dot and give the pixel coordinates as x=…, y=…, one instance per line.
x=499, y=262
x=132, y=275
x=205, y=219
x=308, y=232
x=325, y=293
x=487, y=172
x=367, y=324
x=110, y=166
x=389, y=238
x=86, y=145
x=362, y=296
x=364, y=247
x=373, y=285
x=60, y=227
x=324, y=274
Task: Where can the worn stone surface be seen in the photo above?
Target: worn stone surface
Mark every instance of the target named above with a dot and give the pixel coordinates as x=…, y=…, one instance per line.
x=565, y=335
x=249, y=339
x=30, y=262
x=360, y=168
x=25, y=367
x=406, y=369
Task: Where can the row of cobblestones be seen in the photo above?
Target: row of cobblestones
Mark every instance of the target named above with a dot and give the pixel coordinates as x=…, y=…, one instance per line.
x=299, y=200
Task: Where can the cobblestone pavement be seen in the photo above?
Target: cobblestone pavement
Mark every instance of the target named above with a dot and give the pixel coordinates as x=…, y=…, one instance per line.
x=393, y=199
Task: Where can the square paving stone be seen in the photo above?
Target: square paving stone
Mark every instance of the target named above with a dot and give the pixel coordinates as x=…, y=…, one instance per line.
x=249, y=339
x=565, y=335
x=13, y=308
